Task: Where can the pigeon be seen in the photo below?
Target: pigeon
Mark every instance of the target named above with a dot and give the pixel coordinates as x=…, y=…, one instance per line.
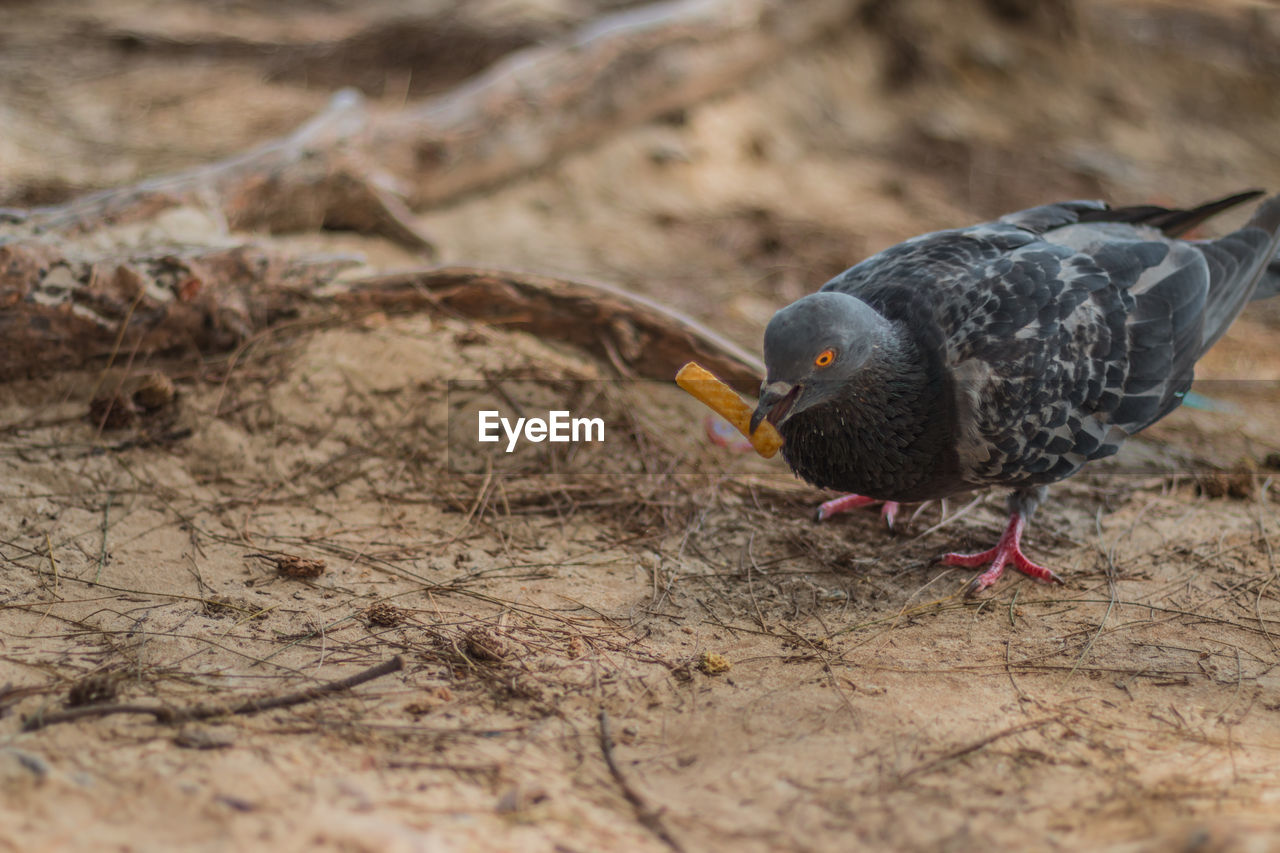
x=1008, y=354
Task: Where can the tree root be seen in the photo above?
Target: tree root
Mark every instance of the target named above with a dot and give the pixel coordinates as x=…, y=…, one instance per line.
x=638, y=336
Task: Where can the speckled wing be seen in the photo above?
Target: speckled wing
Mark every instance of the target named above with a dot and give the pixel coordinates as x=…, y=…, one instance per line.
x=1059, y=332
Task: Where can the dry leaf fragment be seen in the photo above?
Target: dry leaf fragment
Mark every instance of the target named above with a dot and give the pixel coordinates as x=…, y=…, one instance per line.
x=293, y=566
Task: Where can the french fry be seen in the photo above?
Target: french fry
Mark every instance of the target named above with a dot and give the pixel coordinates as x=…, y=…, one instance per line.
x=722, y=399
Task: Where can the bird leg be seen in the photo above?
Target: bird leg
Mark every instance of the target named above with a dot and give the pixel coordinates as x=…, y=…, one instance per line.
x=835, y=506
x=1007, y=551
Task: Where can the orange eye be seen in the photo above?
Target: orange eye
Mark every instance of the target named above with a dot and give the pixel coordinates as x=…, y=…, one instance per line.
x=825, y=357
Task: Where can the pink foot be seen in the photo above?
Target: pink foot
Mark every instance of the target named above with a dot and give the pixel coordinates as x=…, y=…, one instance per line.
x=835, y=506
x=1008, y=550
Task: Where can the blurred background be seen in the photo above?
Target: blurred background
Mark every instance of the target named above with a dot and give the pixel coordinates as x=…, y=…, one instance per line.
x=899, y=117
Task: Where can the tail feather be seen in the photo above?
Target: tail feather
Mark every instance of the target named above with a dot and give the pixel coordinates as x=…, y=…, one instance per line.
x=1239, y=264
x=1173, y=222
x=1270, y=284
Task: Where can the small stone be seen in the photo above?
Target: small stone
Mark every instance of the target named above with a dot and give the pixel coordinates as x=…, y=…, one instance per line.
x=1239, y=483
x=431, y=699
x=236, y=803
x=519, y=798
x=19, y=767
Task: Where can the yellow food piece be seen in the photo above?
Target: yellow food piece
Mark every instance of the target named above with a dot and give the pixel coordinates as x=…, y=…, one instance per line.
x=713, y=663
x=722, y=399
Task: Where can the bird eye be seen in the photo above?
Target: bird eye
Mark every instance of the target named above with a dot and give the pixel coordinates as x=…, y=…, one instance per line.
x=825, y=357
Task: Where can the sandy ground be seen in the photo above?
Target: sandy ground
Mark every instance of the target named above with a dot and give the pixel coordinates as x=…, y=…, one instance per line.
x=866, y=702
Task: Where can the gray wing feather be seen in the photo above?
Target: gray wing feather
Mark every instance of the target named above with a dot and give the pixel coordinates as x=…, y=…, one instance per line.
x=1240, y=262
x=1038, y=220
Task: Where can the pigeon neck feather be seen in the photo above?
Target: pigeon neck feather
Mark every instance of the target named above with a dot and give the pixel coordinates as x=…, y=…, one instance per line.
x=882, y=433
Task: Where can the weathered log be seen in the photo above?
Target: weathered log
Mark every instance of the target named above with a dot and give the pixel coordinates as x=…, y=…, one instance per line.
x=346, y=169
x=60, y=312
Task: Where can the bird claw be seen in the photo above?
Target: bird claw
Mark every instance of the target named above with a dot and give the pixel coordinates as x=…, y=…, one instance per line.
x=1008, y=551
x=998, y=564
x=844, y=503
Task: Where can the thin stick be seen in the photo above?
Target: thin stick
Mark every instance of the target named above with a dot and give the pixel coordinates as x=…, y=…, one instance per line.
x=164, y=714
x=949, y=519
x=647, y=816
x=974, y=747
x=102, y=553
x=52, y=562
x=1111, y=586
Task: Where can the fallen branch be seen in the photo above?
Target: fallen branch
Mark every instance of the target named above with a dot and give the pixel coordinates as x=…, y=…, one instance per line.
x=434, y=50
x=167, y=714
x=60, y=312
x=639, y=336
x=615, y=72
x=303, y=182
x=347, y=170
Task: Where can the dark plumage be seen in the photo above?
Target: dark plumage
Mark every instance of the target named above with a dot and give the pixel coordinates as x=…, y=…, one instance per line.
x=1009, y=353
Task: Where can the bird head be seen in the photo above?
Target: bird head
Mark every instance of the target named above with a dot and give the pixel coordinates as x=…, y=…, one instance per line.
x=812, y=348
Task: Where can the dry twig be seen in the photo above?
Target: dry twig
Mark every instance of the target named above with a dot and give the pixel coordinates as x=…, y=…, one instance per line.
x=651, y=819
x=166, y=714
x=973, y=747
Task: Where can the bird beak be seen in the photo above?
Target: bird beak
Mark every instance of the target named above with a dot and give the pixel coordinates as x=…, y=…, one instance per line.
x=776, y=400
